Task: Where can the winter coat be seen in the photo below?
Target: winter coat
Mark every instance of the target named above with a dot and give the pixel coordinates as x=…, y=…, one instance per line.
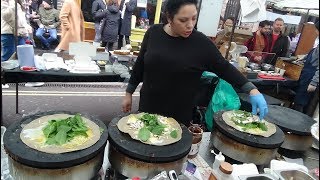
x=8, y=20
x=98, y=8
x=280, y=48
x=72, y=28
x=126, y=21
x=49, y=17
x=110, y=24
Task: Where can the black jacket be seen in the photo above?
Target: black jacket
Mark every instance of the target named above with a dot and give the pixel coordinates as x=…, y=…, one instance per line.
x=280, y=48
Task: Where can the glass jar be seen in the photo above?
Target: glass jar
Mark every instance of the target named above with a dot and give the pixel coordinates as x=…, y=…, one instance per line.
x=197, y=132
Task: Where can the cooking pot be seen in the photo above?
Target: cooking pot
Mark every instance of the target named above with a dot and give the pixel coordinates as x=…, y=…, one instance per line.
x=133, y=158
x=26, y=163
x=295, y=125
x=254, y=66
x=244, y=147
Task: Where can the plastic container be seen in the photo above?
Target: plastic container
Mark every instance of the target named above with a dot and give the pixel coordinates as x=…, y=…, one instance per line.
x=223, y=173
x=218, y=159
x=25, y=55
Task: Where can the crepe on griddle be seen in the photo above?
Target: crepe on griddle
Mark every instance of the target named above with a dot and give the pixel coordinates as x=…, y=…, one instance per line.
x=271, y=128
x=161, y=140
x=32, y=135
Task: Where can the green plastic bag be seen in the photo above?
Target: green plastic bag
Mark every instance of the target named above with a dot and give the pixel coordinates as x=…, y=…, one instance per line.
x=224, y=98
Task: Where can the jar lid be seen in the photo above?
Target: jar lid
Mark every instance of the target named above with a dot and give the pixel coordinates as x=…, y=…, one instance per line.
x=226, y=167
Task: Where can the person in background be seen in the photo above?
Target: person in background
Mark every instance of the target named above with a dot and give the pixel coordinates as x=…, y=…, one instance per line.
x=8, y=46
x=49, y=22
x=71, y=24
x=98, y=11
x=258, y=42
x=226, y=29
x=33, y=13
x=309, y=78
x=278, y=43
x=126, y=7
x=171, y=61
x=110, y=25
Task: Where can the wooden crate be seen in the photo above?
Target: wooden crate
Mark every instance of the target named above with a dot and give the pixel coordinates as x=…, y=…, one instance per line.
x=293, y=71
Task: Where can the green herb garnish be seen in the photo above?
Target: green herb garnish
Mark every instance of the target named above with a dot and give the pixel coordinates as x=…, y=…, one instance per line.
x=174, y=134
x=61, y=131
x=144, y=134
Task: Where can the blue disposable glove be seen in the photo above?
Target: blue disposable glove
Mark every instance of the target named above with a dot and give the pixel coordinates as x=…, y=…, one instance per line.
x=258, y=102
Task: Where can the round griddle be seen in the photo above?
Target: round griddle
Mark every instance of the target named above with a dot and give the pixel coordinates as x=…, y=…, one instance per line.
x=290, y=120
x=274, y=141
x=149, y=153
x=31, y=157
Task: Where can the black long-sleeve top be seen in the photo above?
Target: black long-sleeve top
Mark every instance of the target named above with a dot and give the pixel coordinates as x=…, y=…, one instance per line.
x=170, y=69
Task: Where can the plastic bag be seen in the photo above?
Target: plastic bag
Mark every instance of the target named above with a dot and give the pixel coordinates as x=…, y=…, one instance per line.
x=224, y=98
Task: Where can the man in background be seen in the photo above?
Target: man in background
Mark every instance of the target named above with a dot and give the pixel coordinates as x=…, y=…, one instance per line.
x=49, y=22
x=278, y=42
x=309, y=78
x=259, y=42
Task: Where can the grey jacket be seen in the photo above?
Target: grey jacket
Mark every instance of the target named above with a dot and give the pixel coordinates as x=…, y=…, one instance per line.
x=110, y=25
x=98, y=8
x=315, y=63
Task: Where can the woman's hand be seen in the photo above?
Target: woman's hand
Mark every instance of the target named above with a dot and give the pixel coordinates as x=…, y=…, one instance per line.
x=127, y=103
x=258, y=102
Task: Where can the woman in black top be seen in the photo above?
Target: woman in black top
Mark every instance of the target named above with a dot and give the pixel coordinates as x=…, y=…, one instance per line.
x=171, y=61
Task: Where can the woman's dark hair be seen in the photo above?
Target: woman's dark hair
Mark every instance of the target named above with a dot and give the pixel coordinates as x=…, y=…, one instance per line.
x=172, y=6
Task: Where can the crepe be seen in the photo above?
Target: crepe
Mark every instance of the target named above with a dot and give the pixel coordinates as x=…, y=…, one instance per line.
x=271, y=128
x=32, y=135
x=164, y=139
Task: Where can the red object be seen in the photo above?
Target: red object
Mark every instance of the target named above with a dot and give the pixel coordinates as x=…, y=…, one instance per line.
x=135, y=178
x=28, y=68
x=271, y=77
x=274, y=39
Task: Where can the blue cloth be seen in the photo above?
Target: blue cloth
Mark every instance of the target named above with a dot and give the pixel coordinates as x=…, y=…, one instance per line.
x=144, y=14
x=52, y=36
x=303, y=97
x=258, y=102
x=8, y=47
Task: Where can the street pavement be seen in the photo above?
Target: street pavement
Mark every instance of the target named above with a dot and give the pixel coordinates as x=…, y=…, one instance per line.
x=100, y=100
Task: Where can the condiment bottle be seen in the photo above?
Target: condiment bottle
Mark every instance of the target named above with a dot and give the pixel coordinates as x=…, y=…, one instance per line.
x=196, y=140
x=218, y=159
x=225, y=171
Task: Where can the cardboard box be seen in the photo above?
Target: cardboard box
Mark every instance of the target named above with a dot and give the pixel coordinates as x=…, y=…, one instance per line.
x=293, y=71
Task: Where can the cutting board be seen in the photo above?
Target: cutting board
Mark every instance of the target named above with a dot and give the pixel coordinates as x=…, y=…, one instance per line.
x=271, y=77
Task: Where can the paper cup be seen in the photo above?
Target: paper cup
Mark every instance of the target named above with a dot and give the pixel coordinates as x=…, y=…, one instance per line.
x=282, y=71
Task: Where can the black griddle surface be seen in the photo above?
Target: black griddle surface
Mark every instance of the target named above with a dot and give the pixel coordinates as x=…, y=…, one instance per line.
x=149, y=153
x=274, y=141
x=31, y=157
x=290, y=120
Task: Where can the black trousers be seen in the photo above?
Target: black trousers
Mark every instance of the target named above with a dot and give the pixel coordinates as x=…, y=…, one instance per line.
x=120, y=39
x=108, y=45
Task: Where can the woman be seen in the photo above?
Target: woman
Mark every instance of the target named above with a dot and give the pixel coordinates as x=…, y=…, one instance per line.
x=171, y=61
x=110, y=24
x=71, y=24
x=126, y=7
